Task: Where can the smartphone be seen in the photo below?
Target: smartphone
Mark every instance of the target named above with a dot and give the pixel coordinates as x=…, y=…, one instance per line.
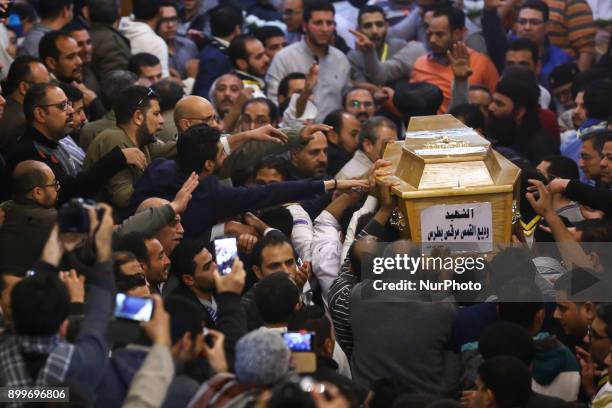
x=133, y=308
x=226, y=250
x=301, y=341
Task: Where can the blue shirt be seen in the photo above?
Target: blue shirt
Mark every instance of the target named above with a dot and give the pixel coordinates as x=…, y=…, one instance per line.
x=553, y=57
x=184, y=50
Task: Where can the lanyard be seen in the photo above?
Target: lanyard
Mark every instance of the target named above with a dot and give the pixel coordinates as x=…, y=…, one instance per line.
x=383, y=57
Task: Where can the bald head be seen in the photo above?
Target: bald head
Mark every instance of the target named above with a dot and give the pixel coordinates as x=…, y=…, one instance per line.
x=192, y=110
x=153, y=202
x=29, y=174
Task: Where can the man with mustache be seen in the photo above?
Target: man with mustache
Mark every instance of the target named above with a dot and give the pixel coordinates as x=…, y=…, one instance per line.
x=513, y=125
x=61, y=55
x=250, y=61
x=360, y=102
x=378, y=59
x=139, y=119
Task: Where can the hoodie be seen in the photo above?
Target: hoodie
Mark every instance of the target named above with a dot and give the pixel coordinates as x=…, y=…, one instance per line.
x=144, y=39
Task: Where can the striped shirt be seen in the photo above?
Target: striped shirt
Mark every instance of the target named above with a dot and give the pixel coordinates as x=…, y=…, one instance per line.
x=571, y=26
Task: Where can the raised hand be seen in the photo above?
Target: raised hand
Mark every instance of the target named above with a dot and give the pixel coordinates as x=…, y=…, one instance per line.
x=233, y=281
x=268, y=133
x=362, y=42
x=542, y=201
x=75, y=285
x=307, y=133
x=312, y=77
x=158, y=328
x=459, y=58
x=183, y=196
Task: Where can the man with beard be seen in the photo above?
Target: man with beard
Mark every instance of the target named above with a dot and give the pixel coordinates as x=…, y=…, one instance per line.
x=29, y=216
x=360, y=102
x=227, y=95
x=194, y=267
x=77, y=121
x=250, y=61
x=378, y=59
x=139, y=119
x=513, y=125
x=315, y=47
x=444, y=31
x=48, y=114
x=342, y=140
x=60, y=53
x=80, y=33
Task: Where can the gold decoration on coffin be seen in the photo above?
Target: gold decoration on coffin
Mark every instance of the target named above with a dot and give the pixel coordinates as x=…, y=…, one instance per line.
x=442, y=161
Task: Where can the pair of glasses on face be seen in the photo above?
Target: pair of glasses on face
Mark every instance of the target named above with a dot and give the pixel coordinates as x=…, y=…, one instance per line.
x=359, y=104
x=63, y=106
x=55, y=184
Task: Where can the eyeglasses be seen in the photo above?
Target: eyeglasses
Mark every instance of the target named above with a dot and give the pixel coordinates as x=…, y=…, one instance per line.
x=531, y=21
x=149, y=94
x=63, y=106
x=55, y=184
x=359, y=104
x=210, y=120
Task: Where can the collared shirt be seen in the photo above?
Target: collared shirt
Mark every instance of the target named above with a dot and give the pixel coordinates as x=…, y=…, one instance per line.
x=356, y=167
x=553, y=56
x=334, y=74
x=184, y=50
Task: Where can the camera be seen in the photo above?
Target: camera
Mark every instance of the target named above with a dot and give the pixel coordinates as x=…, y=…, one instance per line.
x=74, y=215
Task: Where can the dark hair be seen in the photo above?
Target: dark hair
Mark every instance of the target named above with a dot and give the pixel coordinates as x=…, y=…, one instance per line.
x=125, y=283
x=538, y=5
x=36, y=95
x=237, y=48
x=509, y=379
x=520, y=300
x=113, y=84
x=103, y=11
x=39, y=305
x=353, y=89
x=195, y=146
x=224, y=19
x=265, y=32
x=145, y=9
x=134, y=242
x=456, y=17
x=370, y=9
x=525, y=44
x=24, y=181
x=272, y=238
x=597, y=97
x=312, y=318
x=169, y=93
x=51, y=8
x=25, y=11
x=283, y=86
x=132, y=99
x=604, y=312
x=583, y=79
x=48, y=44
x=561, y=167
x=471, y=114
x=143, y=59
x=272, y=109
x=506, y=339
x=316, y=5
x=369, y=129
x=182, y=257
x=276, y=296
x=598, y=139
x=73, y=93
x=334, y=119
x=19, y=71
x=75, y=25
x=509, y=264
x=277, y=217
x=277, y=163
x=595, y=230
x=185, y=317
x=479, y=87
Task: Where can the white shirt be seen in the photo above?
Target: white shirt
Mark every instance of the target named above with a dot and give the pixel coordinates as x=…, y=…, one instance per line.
x=356, y=167
x=370, y=206
x=326, y=250
x=301, y=234
x=144, y=39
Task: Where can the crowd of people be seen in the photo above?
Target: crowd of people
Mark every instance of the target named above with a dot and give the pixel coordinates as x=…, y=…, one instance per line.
x=135, y=135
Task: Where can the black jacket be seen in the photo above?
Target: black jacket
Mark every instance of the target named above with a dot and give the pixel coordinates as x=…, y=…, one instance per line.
x=596, y=197
x=86, y=184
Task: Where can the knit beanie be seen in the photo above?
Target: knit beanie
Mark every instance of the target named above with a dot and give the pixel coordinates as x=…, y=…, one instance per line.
x=262, y=358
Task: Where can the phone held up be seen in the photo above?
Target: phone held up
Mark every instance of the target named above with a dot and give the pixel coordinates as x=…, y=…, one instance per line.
x=226, y=251
x=301, y=344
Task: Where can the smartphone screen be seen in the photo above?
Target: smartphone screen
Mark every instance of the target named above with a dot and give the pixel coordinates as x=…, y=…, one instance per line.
x=225, y=253
x=133, y=308
x=299, y=341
